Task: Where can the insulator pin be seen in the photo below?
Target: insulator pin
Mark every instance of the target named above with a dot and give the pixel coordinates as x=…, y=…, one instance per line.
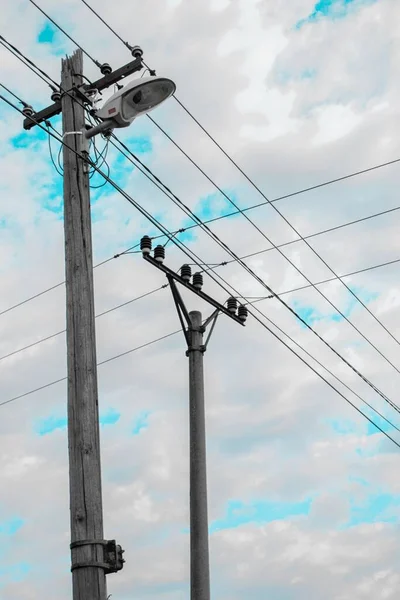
x=159, y=254
x=186, y=272
x=55, y=96
x=243, y=313
x=28, y=111
x=145, y=245
x=198, y=281
x=105, y=69
x=137, y=52
x=232, y=305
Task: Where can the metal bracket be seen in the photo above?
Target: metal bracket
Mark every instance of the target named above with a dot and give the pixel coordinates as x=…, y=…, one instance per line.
x=213, y=320
x=112, y=555
x=100, y=84
x=171, y=274
x=181, y=309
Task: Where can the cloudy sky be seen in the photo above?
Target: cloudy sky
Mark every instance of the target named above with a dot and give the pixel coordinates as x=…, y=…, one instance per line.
x=304, y=498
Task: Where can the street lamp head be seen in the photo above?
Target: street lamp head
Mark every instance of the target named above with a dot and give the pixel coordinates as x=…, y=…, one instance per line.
x=137, y=98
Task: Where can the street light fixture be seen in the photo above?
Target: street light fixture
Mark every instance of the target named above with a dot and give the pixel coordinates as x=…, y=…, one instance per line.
x=137, y=98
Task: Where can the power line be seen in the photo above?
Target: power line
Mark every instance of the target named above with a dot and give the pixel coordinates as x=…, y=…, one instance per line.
x=209, y=268
x=26, y=61
x=12, y=93
x=287, y=221
x=222, y=244
x=248, y=208
x=106, y=312
x=47, y=385
x=96, y=62
x=107, y=25
x=284, y=255
x=314, y=187
x=187, y=251
x=304, y=287
x=342, y=178
x=191, y=254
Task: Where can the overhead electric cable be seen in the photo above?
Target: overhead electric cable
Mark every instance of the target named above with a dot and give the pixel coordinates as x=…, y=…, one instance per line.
x=286, y=257
x=103, y=362
x=105, y=312
x=258, y=205
x=190, y=253
x=132, y=157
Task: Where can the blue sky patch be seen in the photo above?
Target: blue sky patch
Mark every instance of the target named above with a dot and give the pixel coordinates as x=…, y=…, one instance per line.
x=14, y=573
x=371, y=430
x=110, y=417
x=47, y=34
x=11, y=527
x=312, y=315
x=25, y=139
x=344, y=426
x=215, y=205
x=141, y=422
x=209, y=207
x=140, y=145
x=332, y=9
x=377, y=508
x=239, y=513
x=52, y=423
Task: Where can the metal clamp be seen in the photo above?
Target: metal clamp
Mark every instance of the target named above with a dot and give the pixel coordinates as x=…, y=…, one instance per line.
x=201, y=349
x=112, y=553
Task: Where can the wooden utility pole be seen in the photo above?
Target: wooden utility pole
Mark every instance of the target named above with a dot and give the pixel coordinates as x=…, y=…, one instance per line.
x=87, y=547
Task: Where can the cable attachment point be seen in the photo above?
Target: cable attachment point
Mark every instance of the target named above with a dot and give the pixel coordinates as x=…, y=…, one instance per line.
x=197, y=281
x=186, y=273
x=55, y=95
x=145, y=245
x=105, y=69
x=28, y=111
x=137, y=52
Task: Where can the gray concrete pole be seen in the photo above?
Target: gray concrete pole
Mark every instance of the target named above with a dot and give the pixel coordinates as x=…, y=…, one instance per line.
x=199, y=555
x=88, y=582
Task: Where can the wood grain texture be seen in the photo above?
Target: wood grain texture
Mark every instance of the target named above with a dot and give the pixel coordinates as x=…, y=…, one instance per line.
x=89, y=583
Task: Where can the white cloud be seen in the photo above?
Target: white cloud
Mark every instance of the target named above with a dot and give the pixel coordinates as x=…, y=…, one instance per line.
x=294, y=108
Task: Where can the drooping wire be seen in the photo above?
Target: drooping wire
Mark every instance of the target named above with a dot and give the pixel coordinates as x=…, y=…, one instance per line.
x=191, y=254
x=257, y=188
x=242, y=210
x=105, y=312
x=13, y=94
x=291, y=310
x=237, y=259
x=27, y=62
x=291, y=262
x=99, y=364
x=254, y=206
x=269, y=202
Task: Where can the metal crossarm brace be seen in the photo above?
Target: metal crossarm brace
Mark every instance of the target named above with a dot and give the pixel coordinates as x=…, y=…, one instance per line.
x=100, y=84
x=181, y=308
x=188, y=286
x=213, y=320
